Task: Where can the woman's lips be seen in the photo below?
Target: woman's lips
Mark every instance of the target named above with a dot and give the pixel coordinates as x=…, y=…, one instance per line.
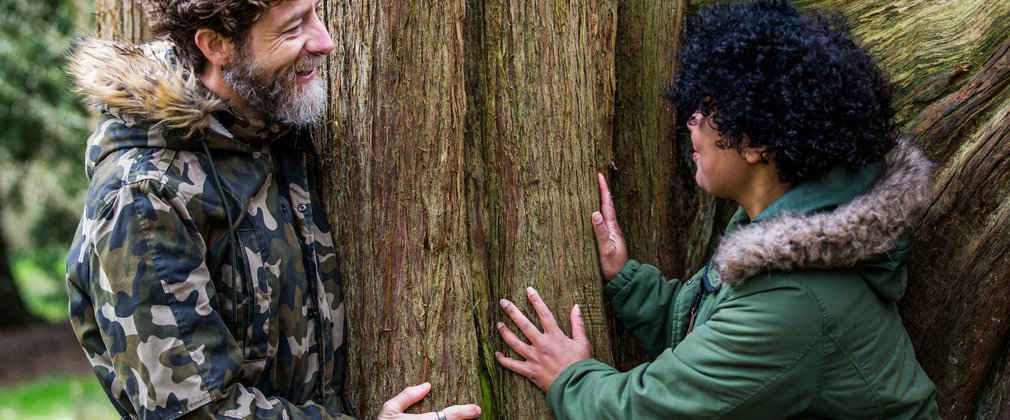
x=694, y=156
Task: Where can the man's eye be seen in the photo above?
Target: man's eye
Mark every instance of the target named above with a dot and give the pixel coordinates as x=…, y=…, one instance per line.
x=293, y=29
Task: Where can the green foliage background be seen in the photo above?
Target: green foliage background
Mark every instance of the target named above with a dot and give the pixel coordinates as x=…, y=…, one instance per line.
x=43, y=132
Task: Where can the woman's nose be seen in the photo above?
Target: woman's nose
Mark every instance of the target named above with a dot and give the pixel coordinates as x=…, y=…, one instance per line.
x=694, y=120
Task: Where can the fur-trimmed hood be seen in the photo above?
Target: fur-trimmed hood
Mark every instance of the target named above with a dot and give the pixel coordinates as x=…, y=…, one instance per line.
x=820, y=225
x=148, y=99
x=144, y=82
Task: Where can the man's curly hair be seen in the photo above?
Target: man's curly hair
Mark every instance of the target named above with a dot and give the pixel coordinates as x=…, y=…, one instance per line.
x=795, y=84
x=178, y=21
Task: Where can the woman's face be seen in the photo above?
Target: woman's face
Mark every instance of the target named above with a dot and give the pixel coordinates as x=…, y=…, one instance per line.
x=721, y=172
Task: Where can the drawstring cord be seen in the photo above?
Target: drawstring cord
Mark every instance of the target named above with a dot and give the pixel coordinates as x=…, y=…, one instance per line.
x=231, y=237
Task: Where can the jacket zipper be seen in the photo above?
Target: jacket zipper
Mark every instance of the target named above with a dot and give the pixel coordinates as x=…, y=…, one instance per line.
x=309, y=263
x=699, y=298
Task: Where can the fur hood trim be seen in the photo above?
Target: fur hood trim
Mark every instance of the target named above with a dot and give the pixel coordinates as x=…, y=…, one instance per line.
x=144, y=82
x=867, y=226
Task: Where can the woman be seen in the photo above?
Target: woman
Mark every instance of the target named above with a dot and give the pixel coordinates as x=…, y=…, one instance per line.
x=795, y=315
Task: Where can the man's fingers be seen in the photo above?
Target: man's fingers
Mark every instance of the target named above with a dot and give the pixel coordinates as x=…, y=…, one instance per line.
x=578, y=328
x=406, y=398
x=543, y=312
x=512, y=341
x=525, y=326
x=464, y=411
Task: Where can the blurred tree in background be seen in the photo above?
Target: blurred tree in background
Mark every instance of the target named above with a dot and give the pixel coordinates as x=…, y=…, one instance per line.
x=43, y=135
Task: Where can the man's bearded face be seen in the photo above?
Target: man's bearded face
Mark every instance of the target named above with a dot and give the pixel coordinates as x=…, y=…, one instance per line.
x=278, y=93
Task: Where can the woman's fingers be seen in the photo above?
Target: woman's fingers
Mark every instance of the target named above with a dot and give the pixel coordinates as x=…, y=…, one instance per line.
x=578, y=327
x=511, y=340
x=607, y=208
x=600, y=229
x=524, y=324
x=543, y=312
x=514, y=365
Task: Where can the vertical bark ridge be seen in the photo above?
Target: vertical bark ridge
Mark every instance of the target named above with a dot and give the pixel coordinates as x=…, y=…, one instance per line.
x=121, y=19
x=540, y=82
x=399, y=109
x=646, y=159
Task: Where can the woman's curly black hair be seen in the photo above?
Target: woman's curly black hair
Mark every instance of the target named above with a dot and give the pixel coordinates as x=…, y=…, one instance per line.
x=795, y=84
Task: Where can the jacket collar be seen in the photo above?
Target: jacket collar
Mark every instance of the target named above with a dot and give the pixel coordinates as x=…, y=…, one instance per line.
x=834, y=188
x=840, y=220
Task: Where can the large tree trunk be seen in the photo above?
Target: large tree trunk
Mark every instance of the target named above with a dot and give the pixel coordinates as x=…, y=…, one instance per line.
x=468, y=138
x=398, y=196
x=465, y=136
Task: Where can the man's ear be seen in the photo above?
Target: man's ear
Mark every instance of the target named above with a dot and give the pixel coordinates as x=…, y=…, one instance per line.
x=216, y=48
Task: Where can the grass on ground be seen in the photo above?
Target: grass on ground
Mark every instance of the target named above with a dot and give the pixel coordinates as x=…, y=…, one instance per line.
x=56, y=398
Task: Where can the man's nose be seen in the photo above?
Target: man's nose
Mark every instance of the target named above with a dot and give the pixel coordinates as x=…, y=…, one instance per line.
x=320, y=43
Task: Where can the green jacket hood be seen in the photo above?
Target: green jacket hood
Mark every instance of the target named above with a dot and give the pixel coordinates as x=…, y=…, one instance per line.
x=149, y=99
x=844, y=219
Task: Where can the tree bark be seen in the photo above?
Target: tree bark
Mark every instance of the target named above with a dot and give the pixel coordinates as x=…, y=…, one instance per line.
x=398, y=195
x=469, y=138
x=667, y=220
x=958, y=312
x=121, y=19
x=540, y=83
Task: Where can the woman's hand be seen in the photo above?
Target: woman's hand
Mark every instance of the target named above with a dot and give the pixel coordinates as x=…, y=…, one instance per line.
x=393, y=409
x=549, y=353
x=609, y=240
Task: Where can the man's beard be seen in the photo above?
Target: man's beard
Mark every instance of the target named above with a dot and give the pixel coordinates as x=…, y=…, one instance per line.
x=279, y=96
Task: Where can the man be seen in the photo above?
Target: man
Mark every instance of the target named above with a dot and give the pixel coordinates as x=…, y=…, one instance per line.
x=203, y=280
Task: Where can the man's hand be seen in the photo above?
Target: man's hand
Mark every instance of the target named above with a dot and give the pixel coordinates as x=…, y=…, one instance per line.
x=393, y=409
x=549, y=353
x=609, y=240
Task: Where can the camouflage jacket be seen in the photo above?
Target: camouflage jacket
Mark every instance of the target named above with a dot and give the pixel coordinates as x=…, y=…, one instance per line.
x=178, y=311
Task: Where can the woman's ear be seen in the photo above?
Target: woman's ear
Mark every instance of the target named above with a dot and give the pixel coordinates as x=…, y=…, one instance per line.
x=216, y=48
x=756, y=154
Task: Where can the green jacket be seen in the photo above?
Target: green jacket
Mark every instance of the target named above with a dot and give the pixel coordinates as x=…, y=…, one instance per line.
x=802, y=323
x=190, y=297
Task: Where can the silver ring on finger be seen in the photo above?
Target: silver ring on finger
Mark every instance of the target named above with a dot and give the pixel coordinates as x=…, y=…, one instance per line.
x=441, y=415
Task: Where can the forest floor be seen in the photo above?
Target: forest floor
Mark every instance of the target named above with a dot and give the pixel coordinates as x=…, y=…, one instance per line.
x=40, y=351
